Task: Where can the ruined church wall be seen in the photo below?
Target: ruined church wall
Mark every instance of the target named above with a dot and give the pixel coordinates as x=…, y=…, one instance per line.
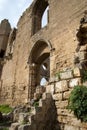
x=60, y=90
x=64, y=21
x=64, y=18
x=15, y=74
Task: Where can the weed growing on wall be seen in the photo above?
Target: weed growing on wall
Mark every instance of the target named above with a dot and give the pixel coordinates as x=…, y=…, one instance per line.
x=5, y=109
x=78, y=102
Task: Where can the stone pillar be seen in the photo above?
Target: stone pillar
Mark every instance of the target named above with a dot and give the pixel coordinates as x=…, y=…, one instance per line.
x=32, y=80
x=52, y=64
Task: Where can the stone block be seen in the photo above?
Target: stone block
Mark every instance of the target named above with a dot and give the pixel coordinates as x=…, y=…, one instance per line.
x=70, y=127
x=44, y=96
x=61, y=104
x=76, y=72
x=14, y=126
x=83, y=128
x=82, y=55
x=40, y=102
x=61, y=86
x=24, y=127
x=65, y=112
x=83, y=125
x=66, y=95
x=52, y=79
x=83, y=48
x=74, y=121
x=66, y=75
x=57, y=96
x=74, y=82
x=62, y=112
x=50, y=89
x=23, y=117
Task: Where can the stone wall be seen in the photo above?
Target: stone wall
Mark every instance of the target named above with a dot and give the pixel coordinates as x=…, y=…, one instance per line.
x=60, y=37
x=61, y=89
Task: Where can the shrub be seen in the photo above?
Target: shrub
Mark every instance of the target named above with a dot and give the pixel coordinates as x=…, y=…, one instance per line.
x=78, y=102
x=5, y=129
x=36, y=104
x=5, y=109
x=58, y=75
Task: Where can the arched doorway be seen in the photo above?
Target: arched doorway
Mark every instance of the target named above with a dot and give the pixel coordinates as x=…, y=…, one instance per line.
x=39, y=63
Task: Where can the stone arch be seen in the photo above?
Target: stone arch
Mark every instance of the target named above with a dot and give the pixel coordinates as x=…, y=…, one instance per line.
x=39, y=56
x=38, y=10
x=38, y=43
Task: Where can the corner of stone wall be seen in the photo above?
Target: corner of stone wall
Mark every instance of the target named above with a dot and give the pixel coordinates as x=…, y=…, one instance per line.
x=60, y=88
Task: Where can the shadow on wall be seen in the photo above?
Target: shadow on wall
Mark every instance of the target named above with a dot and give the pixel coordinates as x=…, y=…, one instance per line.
x=52, y=122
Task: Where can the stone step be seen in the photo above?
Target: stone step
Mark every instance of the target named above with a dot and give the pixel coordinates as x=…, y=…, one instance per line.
x=14, y=126
x=24, y=127
x=32, y=111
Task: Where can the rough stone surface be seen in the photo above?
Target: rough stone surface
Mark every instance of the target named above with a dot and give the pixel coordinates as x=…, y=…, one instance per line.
x=61, y=86
x=67, y=127
x=66, y=75
x=74, y=82
x=18, y=75
x=32, y=53
x=58, y=96
x=14, y=126
x=50, y=89
x=76, y=72
x=24, y=127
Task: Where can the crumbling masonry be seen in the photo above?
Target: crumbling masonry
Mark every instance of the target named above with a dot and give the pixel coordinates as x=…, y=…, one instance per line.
x=32, y=52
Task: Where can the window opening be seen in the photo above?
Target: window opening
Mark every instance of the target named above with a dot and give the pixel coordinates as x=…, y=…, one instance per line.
x=45, y=18
x=40, y=16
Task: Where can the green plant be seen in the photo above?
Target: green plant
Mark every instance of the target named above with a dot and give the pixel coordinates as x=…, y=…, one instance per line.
x=58, y=75
x=78, y=102
x=5, y=129
x=5, y=108
x=24, y=122
x=36, y=103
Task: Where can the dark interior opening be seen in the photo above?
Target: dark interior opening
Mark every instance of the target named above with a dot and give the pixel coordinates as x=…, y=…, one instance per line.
x=2, y=53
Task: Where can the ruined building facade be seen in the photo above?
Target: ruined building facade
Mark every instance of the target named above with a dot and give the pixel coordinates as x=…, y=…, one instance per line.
x=56, y=52
x=31, y=52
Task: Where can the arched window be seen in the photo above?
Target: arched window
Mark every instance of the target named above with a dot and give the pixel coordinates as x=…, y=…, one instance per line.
x=40, y=10
x=45, y=17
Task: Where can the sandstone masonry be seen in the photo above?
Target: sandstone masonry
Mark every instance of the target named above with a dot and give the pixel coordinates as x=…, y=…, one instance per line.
x=56, y=52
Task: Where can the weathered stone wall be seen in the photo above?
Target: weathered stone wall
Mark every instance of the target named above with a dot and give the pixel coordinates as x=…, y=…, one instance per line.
x=61, y=91
x=64, y=17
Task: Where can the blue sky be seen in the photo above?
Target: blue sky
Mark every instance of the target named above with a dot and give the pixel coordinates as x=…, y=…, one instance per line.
x=13, y=9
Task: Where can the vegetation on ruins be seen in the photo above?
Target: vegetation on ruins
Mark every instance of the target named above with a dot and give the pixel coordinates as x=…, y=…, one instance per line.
x=57, y=75
x=5, y=129
x=5, y=109
x=77, y=102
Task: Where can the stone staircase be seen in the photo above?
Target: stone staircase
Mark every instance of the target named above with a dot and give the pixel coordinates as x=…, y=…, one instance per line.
x=39, y=115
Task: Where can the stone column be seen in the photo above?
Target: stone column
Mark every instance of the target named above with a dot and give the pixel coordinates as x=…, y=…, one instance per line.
x=52, y=64
x=32, y=80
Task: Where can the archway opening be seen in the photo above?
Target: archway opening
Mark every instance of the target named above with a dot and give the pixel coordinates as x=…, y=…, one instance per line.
x=40, y=62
